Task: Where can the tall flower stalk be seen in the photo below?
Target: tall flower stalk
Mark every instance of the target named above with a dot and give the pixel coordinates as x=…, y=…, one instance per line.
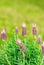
x=3, y=34
x=34, y=30
x=39, y=39
x=22, y=49
x=23, y=29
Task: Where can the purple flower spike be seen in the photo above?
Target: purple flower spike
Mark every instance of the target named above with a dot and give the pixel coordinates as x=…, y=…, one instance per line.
x=3, y=34
x=23, y=29
x=39, y=39
x=34, y=31
x=23, y=32
x=16, y=30
x=43, y=47
x=22, y=47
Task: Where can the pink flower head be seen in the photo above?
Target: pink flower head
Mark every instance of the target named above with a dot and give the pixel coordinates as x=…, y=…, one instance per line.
x=34, y=25
x=40, y=39
x=43, y=47
x=18, y=41
x=23, y=25
x=3, y=34
x=3, y=31
x=16, y=30
x=23, y=32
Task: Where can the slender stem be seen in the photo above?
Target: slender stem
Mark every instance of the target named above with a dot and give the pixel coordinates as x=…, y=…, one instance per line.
x=7, y=59
x=23, y=58
x=42, y=60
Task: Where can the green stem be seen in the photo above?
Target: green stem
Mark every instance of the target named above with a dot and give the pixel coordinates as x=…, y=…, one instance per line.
x=23, y=58
x=7, y=59
x=42, y=60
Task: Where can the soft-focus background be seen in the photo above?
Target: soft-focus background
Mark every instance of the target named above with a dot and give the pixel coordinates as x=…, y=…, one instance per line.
x=14, y=12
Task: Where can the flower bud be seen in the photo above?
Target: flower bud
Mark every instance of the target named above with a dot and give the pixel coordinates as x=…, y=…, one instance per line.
x=33, y=25
x=39, y=39
x=23, y=29
x=24, y=25
x=18, y=41
x=3, y=34
x=22, y=47
x=34, y=31
x=16, y=30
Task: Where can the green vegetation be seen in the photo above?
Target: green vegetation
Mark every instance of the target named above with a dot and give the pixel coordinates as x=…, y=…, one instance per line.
x=10, y=53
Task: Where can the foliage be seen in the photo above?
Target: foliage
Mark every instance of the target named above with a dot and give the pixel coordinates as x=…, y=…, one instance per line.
x=11, y=55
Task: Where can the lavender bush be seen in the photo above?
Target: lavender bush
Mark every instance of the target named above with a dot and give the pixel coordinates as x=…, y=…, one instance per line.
x=23, y=51
x=12, y=54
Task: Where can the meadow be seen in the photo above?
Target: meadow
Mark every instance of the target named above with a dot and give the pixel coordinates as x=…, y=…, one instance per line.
x=27, y=50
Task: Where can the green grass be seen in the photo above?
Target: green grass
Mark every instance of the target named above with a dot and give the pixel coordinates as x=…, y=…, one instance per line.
x=14, y=12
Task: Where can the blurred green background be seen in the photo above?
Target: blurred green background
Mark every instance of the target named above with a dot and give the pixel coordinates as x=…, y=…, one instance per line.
x=14, y=12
